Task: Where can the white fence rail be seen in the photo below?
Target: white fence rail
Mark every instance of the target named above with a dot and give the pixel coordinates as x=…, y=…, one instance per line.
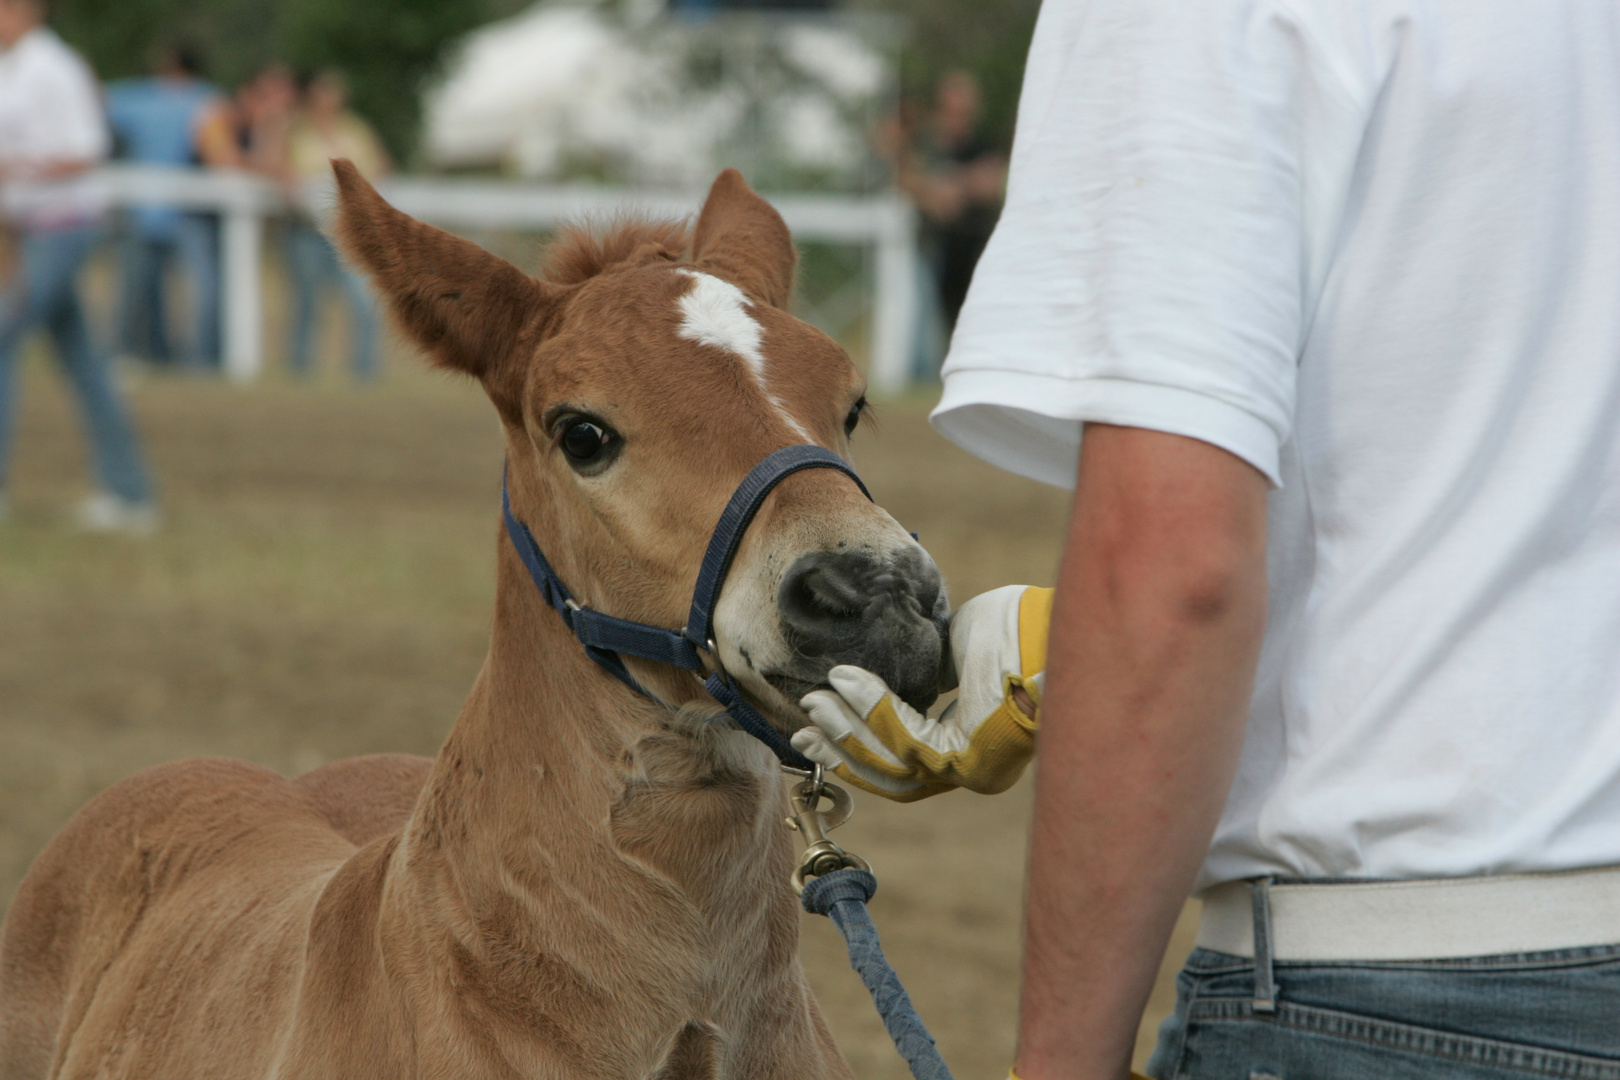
x=885, y=223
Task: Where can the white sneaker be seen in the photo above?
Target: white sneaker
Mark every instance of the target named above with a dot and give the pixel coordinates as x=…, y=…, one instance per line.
x=105, y=512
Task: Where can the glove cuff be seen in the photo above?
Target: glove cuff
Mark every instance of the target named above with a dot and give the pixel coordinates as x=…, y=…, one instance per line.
x=1034, y=627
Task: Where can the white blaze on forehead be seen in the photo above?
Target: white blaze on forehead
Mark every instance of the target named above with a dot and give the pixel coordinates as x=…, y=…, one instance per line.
x=715, y=312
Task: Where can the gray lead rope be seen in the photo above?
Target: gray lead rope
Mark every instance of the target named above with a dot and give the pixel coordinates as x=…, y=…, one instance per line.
x=837, y=884
x=841, y=896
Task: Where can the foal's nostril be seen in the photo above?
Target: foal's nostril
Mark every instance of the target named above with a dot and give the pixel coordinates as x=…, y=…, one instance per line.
x=827, y=591
x=816, y=593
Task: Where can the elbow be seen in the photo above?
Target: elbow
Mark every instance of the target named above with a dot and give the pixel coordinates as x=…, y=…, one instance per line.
x=1169, y=528
x=1198, y=586
x=1217, y=593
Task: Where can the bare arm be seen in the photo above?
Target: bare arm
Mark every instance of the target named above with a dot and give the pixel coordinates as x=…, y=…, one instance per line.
x=1160, y=607
x=56, y=169
x=216, y=138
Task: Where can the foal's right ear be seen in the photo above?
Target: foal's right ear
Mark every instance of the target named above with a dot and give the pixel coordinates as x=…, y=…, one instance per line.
x=471, y=310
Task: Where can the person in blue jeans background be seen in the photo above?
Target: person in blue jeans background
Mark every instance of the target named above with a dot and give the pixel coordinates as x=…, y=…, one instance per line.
x=172, y=118
x=51, y=134
x=315, y=267
x=322, y=129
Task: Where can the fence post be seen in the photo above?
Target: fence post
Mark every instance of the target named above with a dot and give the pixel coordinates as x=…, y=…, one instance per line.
x=895, y=303
x=244, y=304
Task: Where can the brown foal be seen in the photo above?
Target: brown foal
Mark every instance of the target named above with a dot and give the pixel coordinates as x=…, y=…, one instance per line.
x=585, y=882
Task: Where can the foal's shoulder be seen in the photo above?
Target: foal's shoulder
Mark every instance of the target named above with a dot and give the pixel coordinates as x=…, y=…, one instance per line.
x=137, y=844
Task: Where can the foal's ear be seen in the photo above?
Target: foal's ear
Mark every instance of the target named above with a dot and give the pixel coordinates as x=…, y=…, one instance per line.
x=473, y=311
x=743, y=239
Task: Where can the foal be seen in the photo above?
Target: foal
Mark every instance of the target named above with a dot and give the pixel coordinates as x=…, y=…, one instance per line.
x=586, y=882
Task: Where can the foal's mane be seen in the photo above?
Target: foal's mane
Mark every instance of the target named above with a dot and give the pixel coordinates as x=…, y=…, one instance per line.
x=588, y=249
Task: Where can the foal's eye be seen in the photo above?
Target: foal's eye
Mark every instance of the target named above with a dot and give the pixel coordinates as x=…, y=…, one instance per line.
x=584, y=441
x=854, y=416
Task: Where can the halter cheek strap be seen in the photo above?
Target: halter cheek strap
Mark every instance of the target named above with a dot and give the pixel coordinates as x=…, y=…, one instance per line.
x=608, y=639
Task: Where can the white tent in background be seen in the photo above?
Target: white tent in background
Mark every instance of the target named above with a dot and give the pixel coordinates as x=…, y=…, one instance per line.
x=571, y=91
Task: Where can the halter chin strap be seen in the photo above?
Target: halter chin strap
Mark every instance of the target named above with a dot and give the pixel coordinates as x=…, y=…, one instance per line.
x=608, y=639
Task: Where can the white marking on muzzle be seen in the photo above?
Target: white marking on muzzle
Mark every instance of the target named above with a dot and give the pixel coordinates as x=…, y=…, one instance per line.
x=715, y=312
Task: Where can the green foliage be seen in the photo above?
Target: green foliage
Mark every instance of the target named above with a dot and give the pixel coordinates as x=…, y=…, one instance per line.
x=388, y=48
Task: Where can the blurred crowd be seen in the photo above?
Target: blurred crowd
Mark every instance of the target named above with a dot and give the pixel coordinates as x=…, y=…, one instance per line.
x=57, y=123
x=275, y=125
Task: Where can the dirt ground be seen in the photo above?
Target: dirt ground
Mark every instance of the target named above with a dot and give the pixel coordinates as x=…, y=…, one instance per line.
x=322, y=588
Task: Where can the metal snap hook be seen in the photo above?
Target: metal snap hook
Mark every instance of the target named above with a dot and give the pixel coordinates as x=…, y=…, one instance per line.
x=821, y=855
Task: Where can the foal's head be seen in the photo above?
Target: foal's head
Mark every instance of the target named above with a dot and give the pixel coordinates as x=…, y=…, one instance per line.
x=638, y=383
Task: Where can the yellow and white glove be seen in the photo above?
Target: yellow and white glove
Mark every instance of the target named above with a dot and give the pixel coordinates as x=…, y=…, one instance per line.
x=982, y=741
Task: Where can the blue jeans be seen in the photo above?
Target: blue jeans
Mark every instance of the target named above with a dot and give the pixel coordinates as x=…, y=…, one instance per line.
x=1484, y=1018
x=143, y=311
x=45, y=295
x=315, y=268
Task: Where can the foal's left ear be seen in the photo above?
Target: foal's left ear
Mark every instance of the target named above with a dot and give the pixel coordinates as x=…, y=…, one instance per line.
x=743, y=239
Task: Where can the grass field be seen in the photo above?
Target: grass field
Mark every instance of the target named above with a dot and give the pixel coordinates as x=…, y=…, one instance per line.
x=322, y=588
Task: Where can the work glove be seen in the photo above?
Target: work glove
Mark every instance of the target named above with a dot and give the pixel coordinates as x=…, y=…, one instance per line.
x=982, y=741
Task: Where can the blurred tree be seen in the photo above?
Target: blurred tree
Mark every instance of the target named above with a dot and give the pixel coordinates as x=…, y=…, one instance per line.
x=388, y=48
x=989, y=39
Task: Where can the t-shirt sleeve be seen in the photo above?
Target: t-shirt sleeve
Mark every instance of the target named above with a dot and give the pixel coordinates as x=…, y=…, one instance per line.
x=1177, y=177
x=73, y=113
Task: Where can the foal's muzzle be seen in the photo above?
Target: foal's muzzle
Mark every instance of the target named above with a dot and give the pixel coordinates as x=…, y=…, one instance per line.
x=886, y=613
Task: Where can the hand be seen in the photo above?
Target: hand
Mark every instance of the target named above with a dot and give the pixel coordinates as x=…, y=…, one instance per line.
x=982, y=741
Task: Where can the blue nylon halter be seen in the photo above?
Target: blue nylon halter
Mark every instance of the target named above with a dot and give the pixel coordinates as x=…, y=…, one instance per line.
x=608, y=639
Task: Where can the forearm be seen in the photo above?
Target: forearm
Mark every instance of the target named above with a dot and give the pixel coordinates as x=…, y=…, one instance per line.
x=1160, y=607
x=216, y=141
x=54, y=169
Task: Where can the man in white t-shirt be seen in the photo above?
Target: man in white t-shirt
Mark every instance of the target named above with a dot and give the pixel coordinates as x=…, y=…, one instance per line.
x=1332, y=288
x=51, y=134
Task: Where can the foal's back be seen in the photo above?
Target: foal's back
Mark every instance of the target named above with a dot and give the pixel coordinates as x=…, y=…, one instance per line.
x=104, y=943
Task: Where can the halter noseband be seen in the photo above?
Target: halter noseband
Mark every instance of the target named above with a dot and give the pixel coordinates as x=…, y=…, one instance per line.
x=608, y=639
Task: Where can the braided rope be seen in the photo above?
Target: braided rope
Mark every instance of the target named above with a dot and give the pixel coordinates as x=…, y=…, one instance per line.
x=841, y=896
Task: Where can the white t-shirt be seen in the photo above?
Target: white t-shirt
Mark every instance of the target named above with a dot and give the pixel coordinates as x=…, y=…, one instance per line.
x=50, y=113
x=1373, y=248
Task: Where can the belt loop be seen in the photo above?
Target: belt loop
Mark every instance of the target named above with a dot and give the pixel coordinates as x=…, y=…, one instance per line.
x=1265, y=983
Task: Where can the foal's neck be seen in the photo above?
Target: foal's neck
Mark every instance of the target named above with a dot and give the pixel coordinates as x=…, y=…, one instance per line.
x=553, y=761
x=593, y=872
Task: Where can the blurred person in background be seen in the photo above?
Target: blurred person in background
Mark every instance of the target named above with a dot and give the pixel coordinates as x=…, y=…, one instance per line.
x=323, y=129
x=264, y=110
x=956, y=179
x=171, y=118
x=52, y=133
